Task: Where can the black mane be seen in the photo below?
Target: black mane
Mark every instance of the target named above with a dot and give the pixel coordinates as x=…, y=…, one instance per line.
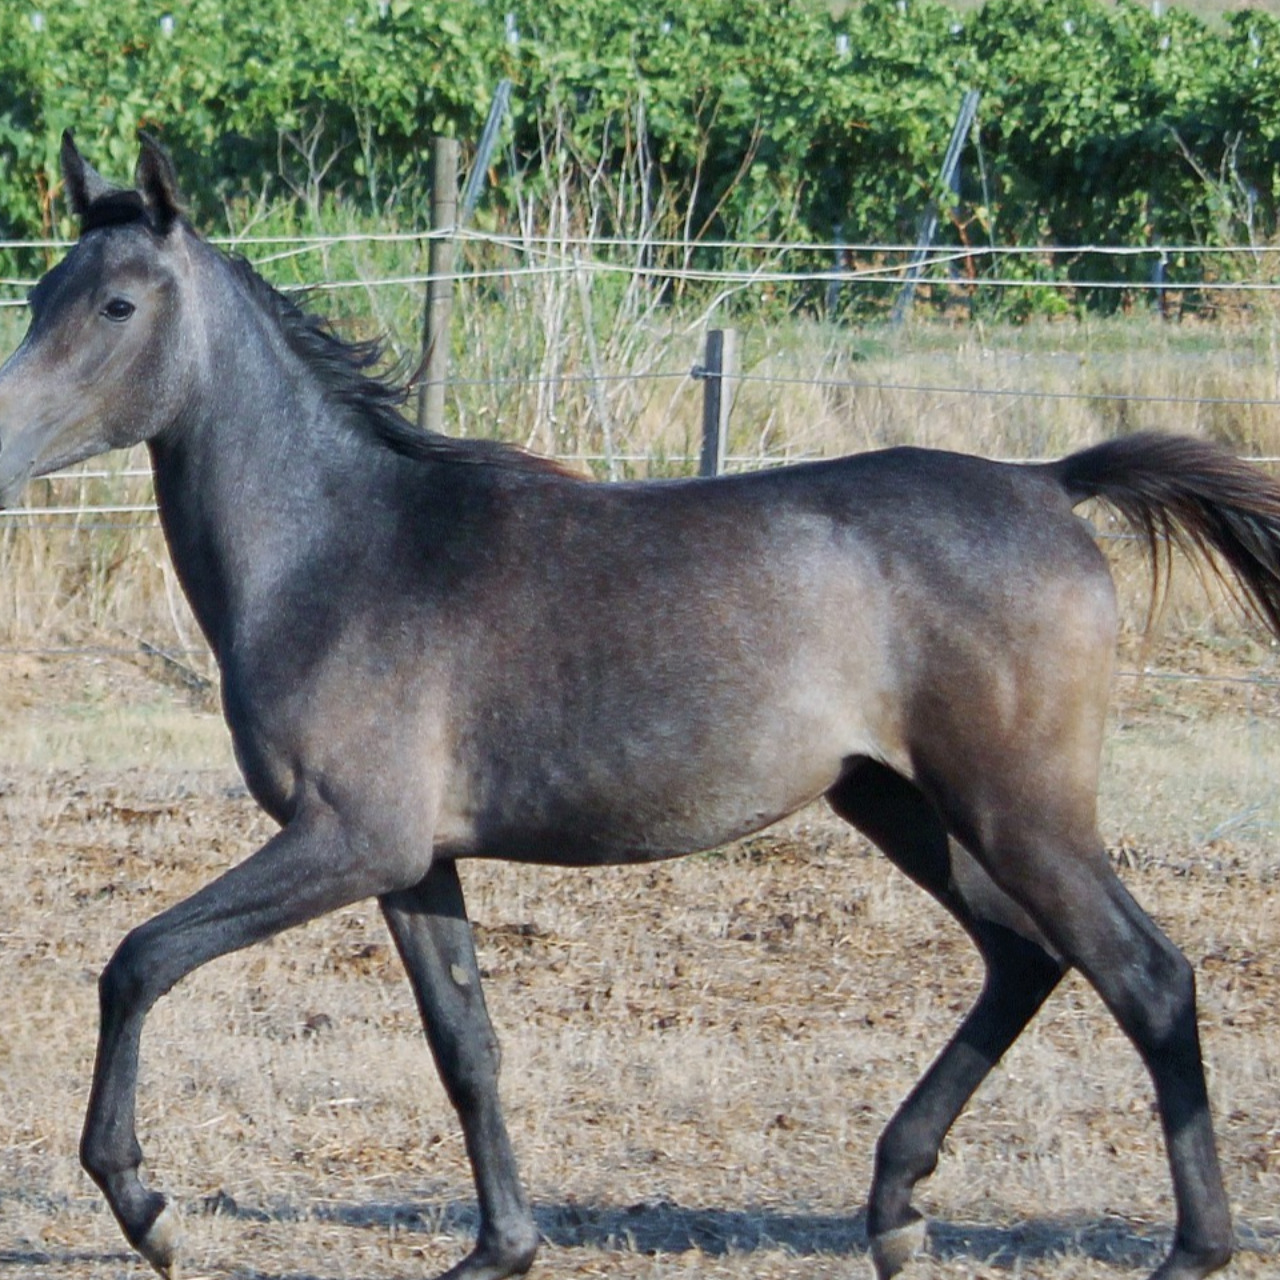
x=343, y=369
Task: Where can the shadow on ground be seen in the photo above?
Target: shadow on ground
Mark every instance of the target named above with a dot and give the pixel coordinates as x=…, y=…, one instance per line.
x=662, y=1227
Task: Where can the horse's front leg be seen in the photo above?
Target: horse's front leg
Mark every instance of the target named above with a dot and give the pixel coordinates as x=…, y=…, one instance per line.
x=306, y=870
x=431, y=930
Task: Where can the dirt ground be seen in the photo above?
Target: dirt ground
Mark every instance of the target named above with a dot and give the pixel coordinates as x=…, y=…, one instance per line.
x=698, y=1055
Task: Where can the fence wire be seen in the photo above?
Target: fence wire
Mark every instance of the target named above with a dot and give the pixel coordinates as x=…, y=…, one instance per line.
x=562, y=255
x=891, y=264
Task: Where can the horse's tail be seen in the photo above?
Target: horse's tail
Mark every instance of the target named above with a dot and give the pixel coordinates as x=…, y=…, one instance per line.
x=1180, y=491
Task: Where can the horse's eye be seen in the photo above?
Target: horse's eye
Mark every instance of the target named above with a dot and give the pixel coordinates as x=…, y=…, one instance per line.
x=118, y=309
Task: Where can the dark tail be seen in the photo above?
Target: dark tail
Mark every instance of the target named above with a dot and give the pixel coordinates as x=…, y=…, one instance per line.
x=1184, y=492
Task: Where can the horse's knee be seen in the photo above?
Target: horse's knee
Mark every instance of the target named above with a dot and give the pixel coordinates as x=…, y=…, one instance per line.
x=150, y=960
x=128, y=983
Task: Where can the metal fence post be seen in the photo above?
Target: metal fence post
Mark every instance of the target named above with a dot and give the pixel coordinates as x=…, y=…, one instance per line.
x=475, y=179
x=717, y=373
x=929, y=223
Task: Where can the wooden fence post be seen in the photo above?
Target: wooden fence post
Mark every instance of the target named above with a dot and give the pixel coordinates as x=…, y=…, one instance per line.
x=435, y=322
x=717, y=374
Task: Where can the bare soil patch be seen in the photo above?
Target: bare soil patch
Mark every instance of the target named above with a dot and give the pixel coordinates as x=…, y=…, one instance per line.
x=699, y=1055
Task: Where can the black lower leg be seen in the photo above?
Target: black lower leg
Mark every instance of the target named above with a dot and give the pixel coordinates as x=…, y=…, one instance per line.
x=300, y=873
x=1020, y=976
x=1021, y=972
x=1149, y=986
x=432, y=933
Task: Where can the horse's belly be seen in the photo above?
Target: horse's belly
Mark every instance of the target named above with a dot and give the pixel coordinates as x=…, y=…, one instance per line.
x=665, y=758
x=599, y=811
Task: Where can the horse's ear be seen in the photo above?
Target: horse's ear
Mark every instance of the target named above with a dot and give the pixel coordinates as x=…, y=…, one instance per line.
x=82, y=181
x=158, y=184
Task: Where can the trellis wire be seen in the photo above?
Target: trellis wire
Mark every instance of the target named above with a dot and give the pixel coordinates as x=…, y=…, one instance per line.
x=307, y=241
x=570, y=261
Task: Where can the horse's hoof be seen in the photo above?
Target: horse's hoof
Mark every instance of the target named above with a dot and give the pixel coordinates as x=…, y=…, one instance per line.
x=160, y=1245
x=892, y=1250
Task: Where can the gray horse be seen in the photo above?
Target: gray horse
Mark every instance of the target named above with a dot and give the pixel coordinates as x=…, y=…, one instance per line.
x=435, y=649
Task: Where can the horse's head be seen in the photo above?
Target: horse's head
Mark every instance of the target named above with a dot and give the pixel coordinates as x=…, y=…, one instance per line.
x=109, y=355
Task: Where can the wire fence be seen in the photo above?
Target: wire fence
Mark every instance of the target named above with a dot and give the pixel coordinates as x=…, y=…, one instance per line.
x=543, y=256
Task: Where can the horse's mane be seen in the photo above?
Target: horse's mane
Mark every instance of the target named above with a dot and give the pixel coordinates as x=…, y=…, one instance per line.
x=343, y=368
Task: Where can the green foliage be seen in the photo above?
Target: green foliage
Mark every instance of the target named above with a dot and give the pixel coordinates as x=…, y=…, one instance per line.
x=721, y=119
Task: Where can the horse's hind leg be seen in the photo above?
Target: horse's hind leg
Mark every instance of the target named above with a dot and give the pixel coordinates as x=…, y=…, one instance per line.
x=1021, y=972
x=430, y=927
x=1149, y=987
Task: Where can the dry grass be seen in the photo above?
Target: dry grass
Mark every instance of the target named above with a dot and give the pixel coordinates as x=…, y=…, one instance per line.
x=811, y=389
x=699, y=1055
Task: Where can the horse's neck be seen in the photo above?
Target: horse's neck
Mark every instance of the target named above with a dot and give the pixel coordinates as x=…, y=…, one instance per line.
x=246, y=487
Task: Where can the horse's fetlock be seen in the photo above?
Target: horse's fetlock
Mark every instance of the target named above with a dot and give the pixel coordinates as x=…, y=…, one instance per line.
x=904, y=1154
x=1202, y=1257
x=103, y=1162
x=507, y=1250
x=520, y=1245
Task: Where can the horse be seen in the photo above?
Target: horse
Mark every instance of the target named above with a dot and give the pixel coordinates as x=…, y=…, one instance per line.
x=434, y=649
